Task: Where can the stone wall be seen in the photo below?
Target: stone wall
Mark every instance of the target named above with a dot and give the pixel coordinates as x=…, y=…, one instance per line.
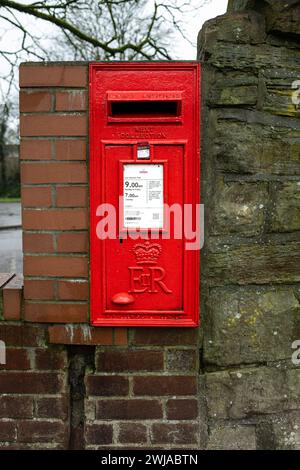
x=231, y=384
x=251, y=188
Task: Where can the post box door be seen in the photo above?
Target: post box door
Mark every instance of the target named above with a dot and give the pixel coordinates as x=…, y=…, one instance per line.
x=144, y=275
x=150, y=269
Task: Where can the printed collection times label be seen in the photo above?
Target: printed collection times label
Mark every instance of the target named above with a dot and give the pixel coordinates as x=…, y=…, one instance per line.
x=143, y=186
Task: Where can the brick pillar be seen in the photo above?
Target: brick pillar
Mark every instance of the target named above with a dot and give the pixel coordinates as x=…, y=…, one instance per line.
x=53, y=128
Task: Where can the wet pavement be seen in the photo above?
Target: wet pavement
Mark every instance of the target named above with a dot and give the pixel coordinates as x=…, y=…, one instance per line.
x=11, y=257
x=10, y=214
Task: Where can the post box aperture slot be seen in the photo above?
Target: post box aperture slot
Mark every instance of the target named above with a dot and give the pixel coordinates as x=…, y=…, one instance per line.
x=144, y=106
x=144, y=109
x=143, y=196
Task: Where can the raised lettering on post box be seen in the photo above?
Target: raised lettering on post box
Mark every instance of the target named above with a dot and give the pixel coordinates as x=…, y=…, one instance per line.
x=144, y=193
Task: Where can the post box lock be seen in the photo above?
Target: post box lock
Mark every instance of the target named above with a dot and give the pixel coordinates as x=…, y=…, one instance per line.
x=144, y=193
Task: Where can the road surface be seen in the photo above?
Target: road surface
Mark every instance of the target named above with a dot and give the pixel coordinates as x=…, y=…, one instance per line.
x=11, y=257
x=10, y=214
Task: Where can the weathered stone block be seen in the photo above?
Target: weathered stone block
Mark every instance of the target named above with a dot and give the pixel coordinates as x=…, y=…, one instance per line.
x=293, y=383
x=281, y=17
x=240, y=5
x=234, y=89
x=279, y=98
x=279, y=102
x=239, y=28
x=239, y=208
x=253, y=264
x=286, y=213
x=286, y=429
x=265, y=438
x=230, y=437
x=235, y=96
x=278, y=91
x=250, y=325
x=255, y=148
x=248, y=392
x=223, y=55
x=277, y=76
x=281, y=40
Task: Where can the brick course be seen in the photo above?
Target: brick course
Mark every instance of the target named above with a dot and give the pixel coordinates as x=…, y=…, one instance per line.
x=35, y=101
x=74, y=100
x=37, y=243
x=71, y=196
x=68, y=266
x=36, y=196
x=12, y=298
x=35, y=149
x=34, y=411
x=32, y=125
x=47, y=173
x=53, y=127
x=75, y=242
x=71, y=149
x=64, y=219
x=56, y=312
x=51, y=75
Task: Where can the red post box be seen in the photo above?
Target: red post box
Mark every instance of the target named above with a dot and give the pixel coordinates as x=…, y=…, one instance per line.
x=144, y=193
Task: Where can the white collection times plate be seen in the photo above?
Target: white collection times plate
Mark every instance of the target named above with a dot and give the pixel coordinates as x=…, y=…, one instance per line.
x=143, y=191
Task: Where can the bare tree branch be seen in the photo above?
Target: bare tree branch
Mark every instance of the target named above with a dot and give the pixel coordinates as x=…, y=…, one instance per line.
x=86, y=30
x=35, y=11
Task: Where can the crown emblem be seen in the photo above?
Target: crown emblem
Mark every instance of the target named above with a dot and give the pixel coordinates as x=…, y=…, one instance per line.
x=146, y=253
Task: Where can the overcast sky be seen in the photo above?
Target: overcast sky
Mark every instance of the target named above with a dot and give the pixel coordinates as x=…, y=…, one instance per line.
x=193, y=25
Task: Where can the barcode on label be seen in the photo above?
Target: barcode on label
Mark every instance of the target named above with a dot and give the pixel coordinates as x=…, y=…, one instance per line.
x=155, y=216
x=133, y=212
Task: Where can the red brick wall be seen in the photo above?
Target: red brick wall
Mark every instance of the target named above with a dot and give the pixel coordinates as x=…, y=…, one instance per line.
x=34, y=404
x=66, y=384
x=54, y=178
x=145, y=395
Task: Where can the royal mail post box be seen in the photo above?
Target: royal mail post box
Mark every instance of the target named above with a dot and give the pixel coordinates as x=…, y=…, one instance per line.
x=144, y=193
